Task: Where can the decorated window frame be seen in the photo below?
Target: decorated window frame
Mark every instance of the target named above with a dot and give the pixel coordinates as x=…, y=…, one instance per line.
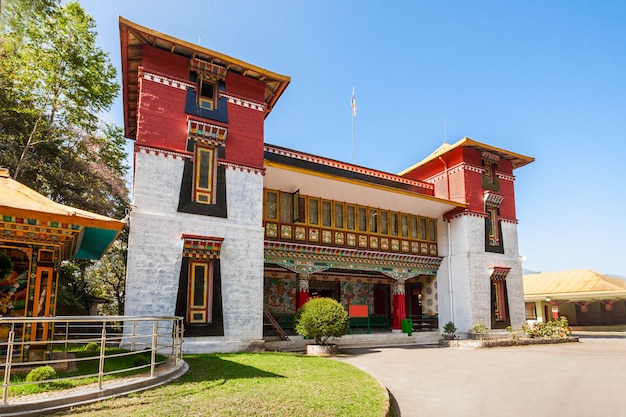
x=490, y=166
x=205, y=163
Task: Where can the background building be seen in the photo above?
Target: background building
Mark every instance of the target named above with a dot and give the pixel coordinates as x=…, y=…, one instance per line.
x=585, y=297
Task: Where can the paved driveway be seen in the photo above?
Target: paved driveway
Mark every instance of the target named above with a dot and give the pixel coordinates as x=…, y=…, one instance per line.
x=574, y=379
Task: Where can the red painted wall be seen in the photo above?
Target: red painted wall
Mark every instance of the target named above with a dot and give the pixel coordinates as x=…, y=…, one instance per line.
x=162, y=121
x=466, y=184
x=244, y=144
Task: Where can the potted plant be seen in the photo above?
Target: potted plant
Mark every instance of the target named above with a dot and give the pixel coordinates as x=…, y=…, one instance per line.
x=323, y=320
x=449, y=331
x=479, y=330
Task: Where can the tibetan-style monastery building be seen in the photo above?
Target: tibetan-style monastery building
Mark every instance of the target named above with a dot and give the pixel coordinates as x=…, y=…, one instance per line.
x=227, y=229
x=36, y=235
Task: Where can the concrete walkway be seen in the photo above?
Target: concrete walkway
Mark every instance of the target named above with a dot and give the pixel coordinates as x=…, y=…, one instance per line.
x=573, y=379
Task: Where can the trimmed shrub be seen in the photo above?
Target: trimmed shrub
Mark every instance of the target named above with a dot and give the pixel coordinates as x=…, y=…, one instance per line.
x=41, y=373
x=141, y=360
x=548, y=329
x=321, y=319
x=449, y=331
x=92, y=347
x=480, y=328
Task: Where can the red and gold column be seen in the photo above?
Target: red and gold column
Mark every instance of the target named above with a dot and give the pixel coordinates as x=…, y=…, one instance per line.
x=303, y=289
x=399, y=305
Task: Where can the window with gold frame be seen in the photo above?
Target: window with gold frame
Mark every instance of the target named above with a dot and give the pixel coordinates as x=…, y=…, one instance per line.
x=362, y=219
x=207, y=93
x=373, y=216
x=384, y=222
x=316, y=212
x=404, y=225
x=350, y=217
x=271, y=205
x=204, y=173
x=413, y=226
x=339, y=217
x=423, y=229
x=326, y=213
x=286, y=207
x=314, y=209
x=199, y=292
x=432, y=230
x=394, y=224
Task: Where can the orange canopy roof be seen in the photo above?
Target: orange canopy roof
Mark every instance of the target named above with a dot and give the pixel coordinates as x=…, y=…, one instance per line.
x=23, y=209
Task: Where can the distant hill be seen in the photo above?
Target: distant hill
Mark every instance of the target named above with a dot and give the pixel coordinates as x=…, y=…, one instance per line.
x=615, y=276
x=528, y=271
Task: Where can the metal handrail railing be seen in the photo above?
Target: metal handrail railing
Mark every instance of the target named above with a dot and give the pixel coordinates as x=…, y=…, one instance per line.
x=158, y=335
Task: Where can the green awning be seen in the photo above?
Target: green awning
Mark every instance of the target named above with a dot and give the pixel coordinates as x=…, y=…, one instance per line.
x=94, y=242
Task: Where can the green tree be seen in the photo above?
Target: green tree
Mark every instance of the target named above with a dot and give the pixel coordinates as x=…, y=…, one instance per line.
x=54, y=84
x=56, y=76
x=107, y=277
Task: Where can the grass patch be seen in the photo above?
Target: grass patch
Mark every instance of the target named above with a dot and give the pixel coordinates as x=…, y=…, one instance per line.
x=254, y=384
x=85, y=368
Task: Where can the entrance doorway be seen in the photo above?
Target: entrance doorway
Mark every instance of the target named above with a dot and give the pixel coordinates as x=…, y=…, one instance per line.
x=413, y=294
x=319, y=289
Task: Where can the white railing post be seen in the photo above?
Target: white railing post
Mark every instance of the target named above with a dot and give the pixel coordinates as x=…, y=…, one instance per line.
x=7, y=367
x=132, y=337
x=67, y=333
x=103, y=340
x=155, y=336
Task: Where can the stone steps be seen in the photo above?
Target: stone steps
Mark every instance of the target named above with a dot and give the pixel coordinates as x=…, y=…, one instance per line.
x=350, y=341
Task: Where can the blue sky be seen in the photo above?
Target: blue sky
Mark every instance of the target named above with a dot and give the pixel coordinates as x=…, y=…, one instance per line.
x=542, y=78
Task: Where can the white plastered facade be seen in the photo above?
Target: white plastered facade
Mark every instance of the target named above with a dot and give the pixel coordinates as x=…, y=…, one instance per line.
x=156, y=247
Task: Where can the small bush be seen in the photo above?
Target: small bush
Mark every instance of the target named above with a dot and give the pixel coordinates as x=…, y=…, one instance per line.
x=321, y=319
x=449, y=330
x=140, y=360
x=480, y=328
x=558, y=328
x=41, y=373
x=92, y=347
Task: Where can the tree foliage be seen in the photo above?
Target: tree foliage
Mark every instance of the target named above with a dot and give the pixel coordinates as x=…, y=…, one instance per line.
x=54, y=85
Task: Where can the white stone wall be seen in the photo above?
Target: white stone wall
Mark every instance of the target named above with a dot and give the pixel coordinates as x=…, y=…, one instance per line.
x=464, y=278
x=155, y=250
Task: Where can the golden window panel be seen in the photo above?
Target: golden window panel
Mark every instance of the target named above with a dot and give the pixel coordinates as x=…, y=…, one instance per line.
x=286, y=210
x=200, y=291
x=338, y=216
x=314, y=208
x=204, y=175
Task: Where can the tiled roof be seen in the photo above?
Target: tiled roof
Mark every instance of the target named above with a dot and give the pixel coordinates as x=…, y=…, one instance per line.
x=576, y=284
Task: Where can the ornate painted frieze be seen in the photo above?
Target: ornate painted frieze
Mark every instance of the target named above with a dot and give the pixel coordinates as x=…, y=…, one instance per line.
x=241, y=168
x=493, y=199
x=202, y=247
x=162, y=152
x=208, y=69
x=206, y=132
x=243, y=102
x=164, y=80
x=489, y=157
x=499, y=273
x=312, y=258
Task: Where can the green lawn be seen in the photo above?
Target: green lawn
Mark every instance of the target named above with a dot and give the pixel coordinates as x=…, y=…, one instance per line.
x=254, y=384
